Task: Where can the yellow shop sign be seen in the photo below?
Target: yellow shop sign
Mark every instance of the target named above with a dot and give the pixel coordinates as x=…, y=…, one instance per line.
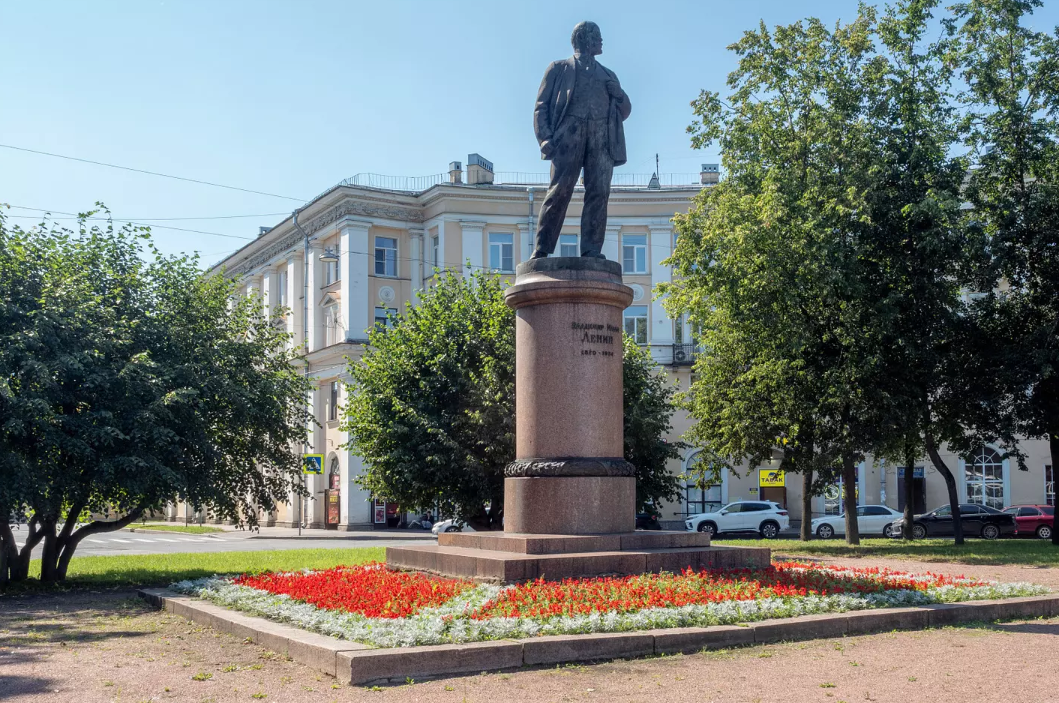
x=770, y=477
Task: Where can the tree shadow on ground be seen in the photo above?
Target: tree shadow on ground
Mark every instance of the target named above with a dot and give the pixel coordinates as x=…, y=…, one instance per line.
x=11, y=686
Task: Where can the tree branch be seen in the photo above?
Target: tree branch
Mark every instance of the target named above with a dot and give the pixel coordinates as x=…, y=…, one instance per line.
x=97, y=526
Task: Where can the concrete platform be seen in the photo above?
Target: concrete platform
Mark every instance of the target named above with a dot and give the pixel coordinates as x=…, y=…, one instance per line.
x=566, y=544
x=511, y=566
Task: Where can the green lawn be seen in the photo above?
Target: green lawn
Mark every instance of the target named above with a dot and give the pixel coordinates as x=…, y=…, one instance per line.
x=187, y=529
x=164, y=569
x=1034, y=552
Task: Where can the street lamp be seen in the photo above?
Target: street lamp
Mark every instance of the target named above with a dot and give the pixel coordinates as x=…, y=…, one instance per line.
x=329, y=256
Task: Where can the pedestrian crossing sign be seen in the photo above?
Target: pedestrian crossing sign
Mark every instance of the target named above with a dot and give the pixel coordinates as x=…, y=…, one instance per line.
x=313, y=464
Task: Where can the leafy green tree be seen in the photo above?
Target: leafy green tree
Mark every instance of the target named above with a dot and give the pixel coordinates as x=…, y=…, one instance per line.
x=431, y=406
x=768, y=265
x=129, y=383
x=649, y=403
x=431, y=401
x=1011, y=74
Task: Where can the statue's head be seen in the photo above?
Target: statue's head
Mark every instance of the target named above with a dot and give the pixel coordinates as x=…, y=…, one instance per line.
x=587, y=39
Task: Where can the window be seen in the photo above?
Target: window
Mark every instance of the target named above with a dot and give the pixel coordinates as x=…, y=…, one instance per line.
x=384, y=317
x=734, y=508
x=702, y=500
x=984, y=476
x=754, y=507
x=385, y=256
x=1048, y=511
x=943, y=511
x=1028, y=512
x=502, y=251
x=634, y=253
x=281, y=293
x=872, y=510
x=435, y=252
x=332, y=403
x=331, y=272
x=1049, y=485
x=568, y=245
x=333, y=332
x=970, y=509
x=678, y=330
x=636, y=323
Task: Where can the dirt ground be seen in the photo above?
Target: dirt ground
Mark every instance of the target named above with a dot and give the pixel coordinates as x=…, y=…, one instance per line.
x=90, y=647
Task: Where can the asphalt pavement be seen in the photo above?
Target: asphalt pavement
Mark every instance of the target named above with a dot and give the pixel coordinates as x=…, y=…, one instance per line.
x=140, y=541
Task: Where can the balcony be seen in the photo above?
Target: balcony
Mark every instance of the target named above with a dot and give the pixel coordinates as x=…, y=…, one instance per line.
x=684, y=354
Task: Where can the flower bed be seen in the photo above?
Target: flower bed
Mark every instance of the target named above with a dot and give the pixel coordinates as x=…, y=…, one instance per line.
x=377, y=606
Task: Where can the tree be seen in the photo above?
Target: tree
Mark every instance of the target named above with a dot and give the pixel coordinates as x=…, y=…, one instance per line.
x=128, y=384
x=431, y=406
x=767, y=262
x=1011, y=74
x=649, y=402
x=431, y=402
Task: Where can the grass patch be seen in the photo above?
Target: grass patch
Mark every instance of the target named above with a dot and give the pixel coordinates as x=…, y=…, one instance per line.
x=164, y=569
x=186, y=529
x=1031, y=552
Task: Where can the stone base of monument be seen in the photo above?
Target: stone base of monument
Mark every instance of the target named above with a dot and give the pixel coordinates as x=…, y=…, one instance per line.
x=507, y=557
x=569, y=496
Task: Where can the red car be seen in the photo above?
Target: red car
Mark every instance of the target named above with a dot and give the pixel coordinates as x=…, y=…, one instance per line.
x=1033, y=519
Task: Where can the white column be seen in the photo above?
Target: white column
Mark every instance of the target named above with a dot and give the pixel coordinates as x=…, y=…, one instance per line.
x=253, y=285
x=315, y=336
x=611, y=249
x=294, y=296
x=269, y=292
x=354, y=262
x=528, y=238
x=416, y=236
x=473, y=246
x=659, y=248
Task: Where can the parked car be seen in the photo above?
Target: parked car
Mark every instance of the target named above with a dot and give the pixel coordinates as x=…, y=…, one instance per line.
x=1034, y=520
x=450, y=526
x=647, y=521
x=977, y=521
x=764, y=517
x=871, y=520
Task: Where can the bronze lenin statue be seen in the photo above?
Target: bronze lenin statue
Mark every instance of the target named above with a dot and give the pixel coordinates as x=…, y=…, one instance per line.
x=578, y=122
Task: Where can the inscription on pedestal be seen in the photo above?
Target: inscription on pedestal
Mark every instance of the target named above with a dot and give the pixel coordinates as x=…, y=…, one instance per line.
x=597, y=333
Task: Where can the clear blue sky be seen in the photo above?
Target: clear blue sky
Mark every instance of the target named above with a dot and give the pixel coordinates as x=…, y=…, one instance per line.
x=292, y=97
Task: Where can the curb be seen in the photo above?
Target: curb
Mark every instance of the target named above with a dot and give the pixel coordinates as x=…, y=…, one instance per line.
x=171, y=532
x=363, y=664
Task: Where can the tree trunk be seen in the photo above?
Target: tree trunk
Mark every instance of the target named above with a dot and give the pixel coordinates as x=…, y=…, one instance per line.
x=8, y=553
x=950, y=484
x=1053, y=447
x=68, y=542
x=49, y=557
x=805, y=531
x=910, y=473
x=19, y=568
x=849, y=490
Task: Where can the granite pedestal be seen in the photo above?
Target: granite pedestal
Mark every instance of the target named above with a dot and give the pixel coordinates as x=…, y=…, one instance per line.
x=569, y=496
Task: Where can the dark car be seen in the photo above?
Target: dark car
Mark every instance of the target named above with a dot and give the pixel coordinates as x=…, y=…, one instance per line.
x=647, y=521
x=977, y=521
x=1033, y=520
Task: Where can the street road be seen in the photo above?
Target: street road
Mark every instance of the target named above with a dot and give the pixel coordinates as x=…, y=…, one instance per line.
x=130, y=543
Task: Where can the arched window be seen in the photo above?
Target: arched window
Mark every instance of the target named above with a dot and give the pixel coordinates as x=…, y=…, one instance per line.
x=984, y=476
x=706, y=498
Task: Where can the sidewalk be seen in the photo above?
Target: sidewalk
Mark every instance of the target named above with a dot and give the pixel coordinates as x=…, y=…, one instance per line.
x=231, y=531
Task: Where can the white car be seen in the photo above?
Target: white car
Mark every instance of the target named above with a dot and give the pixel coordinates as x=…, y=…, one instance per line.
x=871, y=520
x=450, y=526
x=764, y=517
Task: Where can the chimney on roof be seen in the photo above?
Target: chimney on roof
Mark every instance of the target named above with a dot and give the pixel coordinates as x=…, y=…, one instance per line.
x=479, y=170
x=455, y=172
x=262, y=231
x=710, y=175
